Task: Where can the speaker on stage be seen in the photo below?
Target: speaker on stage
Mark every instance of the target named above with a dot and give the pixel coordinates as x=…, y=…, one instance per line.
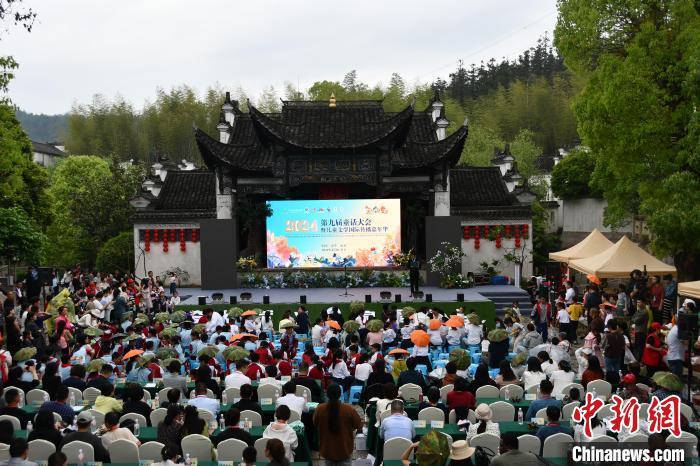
x=266, y=299
x=368, y=298
x=460, y=297
x=233, y=300
x=302, y=299
x=687, y=325
x=202, y=300
x=429, y=298
x=397, y=298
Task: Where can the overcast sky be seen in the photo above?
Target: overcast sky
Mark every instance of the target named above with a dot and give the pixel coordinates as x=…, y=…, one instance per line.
x=82, y=47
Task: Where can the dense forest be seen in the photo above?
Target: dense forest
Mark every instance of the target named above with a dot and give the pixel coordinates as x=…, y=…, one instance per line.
x=43, y=128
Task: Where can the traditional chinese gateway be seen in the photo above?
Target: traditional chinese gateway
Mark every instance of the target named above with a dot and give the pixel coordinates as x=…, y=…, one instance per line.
x=203, y=220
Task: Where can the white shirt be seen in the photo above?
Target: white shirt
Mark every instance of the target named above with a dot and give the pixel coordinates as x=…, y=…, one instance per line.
x=570, y=295
x=236, y=380
x=204, y=402
x=561, y=379
x=295, y=403
x=532, y=378
x=675, y=347
x=474, y=334
x=340, y=370
x=120, y=433
x=421, y=351
x=215, y=321
x=435, y=337
x=389, y=336
x=362, y=371
x=317, y=333
x=563, y=316
x=454, y=337
x=580, y=436
x=548, y=368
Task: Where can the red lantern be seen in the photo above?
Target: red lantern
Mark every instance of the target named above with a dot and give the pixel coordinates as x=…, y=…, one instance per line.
x=526, y=233
x=465, y=232
x=486, y=230
x=507, y=231
x=498, y=240
x=172, y=236
x=182, y=240
x=517, y=236
x=477, y=238
x=147, y=240
x=195, y=235
x=165, y=242
x=155, y=236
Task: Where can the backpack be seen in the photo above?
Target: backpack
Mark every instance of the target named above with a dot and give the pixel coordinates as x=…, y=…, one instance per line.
x=483, y=455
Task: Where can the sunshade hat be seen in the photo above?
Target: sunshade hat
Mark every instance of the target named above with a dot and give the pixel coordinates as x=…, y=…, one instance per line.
x=461, y=450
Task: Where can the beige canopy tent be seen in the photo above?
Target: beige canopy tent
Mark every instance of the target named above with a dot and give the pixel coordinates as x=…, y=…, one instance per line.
x=619, y=260
x=689, y=289
x=591, y=245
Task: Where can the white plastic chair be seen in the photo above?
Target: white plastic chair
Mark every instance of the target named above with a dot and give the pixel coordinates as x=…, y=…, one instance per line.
x=410, y=392
x=602, y=387
x=71, y=450
x=687, y=411
x=452, y=417
x=568, y=409
x=206, y=415
x=146, y=396
x=231, y=393
x=395, y=447
x=529, y=443
x=137, y=418
x=40, y=450
x=294, y=416
x=231, y=450
x=157, y=416
x=514, y=391
x=255, y=418
x=162, y=396
x=532, y=389
x=565, y=391
x=541, y=413
x=36, y=397
x=487, y=391
x=77, y=394
x=643, y=411
x=15, y=422
x=636, y=438
x=605, y=411
x=486, y=440
x=643, y=386
x=556, y=446
x=4, y=452
x=99, y=417
x=210, y=394
x=445, y=390
x=123, y=451
x=689, y=441
x=502, y=411
x=260, y=445
x=604, y=439
x=301, y=390
x=90, y=394
x=197, y=445
x=151, y=451
x=449, y=440
x=431, y=414
x=269, y=391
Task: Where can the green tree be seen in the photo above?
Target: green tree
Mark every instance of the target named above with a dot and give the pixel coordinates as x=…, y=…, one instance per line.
x=269, y=101
x=117, y=253
x=571, y=176
x=525, y=150
x=20, y=238
x=637, y=112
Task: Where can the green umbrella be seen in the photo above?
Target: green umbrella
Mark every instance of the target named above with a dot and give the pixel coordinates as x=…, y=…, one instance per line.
x=375, y=325
x=93, y=332
x=199, y=328
x=168, y=332
x=142, y=319
x=166, y=362
x=520, y=358
x=145, y=359
x=433, y=449
x=474, y=319
x=162, y=317
x=351, y=326
x=288, y=324
x=178, y=316
x=95, y=365
x=131, y=337
x=118, y=335
x=668, y=380
x=166, y=353
x=235, y=312
x=210, y=351
x=235, y=353
x=407, y=311
x=461, y=358
x=24, y=354
x=498, y=335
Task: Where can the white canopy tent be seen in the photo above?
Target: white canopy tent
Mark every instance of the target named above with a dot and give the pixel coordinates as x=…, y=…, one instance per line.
x=689, y=289
x=591, y=245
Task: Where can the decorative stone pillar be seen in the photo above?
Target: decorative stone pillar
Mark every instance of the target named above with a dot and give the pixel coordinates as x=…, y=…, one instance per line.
x=442, y=199
x=224, y=197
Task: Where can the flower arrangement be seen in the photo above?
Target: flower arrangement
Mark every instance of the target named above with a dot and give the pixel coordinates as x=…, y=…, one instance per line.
x=320, y=279
x=246, y=264
x=447, y=261
x=402, y=259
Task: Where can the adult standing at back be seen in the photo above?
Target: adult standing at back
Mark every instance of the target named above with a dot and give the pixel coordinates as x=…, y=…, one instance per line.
x=336, y=423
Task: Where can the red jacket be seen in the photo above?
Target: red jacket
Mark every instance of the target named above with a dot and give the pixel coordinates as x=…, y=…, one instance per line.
x=265, y=356
x=254, y=372
x=460, y=400
x=284, y=368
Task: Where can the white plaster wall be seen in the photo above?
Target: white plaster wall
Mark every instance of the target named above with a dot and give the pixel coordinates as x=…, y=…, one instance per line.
x=487, y=250
x=46, y=160
x=583, y=215
x=159, y=261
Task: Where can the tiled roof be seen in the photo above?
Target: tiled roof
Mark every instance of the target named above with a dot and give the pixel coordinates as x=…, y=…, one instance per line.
x=545, y=163
x=478, y=187
x=253, y=156
x=499, y=213
x=419, y=154
x=44, y=148
x=189, y=191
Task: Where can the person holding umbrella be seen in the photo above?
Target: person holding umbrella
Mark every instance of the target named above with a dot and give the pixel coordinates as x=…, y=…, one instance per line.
x=667, y=384
x=421, y=348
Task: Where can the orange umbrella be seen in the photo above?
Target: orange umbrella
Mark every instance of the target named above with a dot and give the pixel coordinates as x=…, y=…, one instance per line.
x=454, y=321
x=249, y=313
x=593, y=279
x=132, y=353
x=244, y=335
x=434, y=324
x=333, y=324
x=398, y=351
x=420, y=338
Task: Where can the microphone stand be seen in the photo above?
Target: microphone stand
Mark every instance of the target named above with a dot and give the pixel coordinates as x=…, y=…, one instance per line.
x=345, y=274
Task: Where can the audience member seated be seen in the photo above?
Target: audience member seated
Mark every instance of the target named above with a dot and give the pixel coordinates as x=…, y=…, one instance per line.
x=250, y=456
x=506, y=376
x=12, y=399
x=173, y=379
x=7, y=432
x=460, y=398
x=534, y=373
x=483, y=422
x=238, y=378
x=15, y=378
x=398, y=424
x=282, y=431
x=304, y=380
x=246, y=403
x=102, y=380
x=597, y=429
x=289, y=398
x=201, y=400
x=170, y=454
x=76, y=378
x=552, y=425
x=172, y=398
x=233, y=429
x=481, y=379
x=630, y=390
x=271, y=377
x=61, y=405
x=379, y=375
x=433, y=401
x=112, y=431
x=561, y=377
x=510, y=454
x=545, y=400
x=592, y=372
x=19, y=450
x=451, y=376
x=45, y=428
x=390, y=392
x=193, y=424
x=51, y=380
x=411, y=375
x=84, y=434
x=106, y=403
x=170, y=428
x=134, y=402
x=276, y=452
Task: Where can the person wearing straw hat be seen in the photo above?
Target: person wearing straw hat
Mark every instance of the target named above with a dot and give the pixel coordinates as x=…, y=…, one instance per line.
x=461, y=453
x=484, y=424
x=510, y=453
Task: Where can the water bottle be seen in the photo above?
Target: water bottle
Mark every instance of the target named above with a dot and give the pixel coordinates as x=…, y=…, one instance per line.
x=188, y=461
x=157, y=400
x=46, y=397
x=222, y=423
x=306, y=397
x=75, y=424
x=21, y=399
x=81, y=457
x=137, y=429
x=507, y=393
x=595, y=393
x=224, y=398
x=72, y=399
x=29, y=426
x=520, y=416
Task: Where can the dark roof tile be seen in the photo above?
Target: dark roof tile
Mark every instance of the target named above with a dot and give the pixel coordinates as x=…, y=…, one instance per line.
x=478, y=187
x=187, y=191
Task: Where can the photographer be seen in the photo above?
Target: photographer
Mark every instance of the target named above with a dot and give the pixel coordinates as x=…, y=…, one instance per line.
x=637, y=286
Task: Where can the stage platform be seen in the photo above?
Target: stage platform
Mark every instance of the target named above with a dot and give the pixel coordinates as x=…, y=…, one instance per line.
x=336, y=295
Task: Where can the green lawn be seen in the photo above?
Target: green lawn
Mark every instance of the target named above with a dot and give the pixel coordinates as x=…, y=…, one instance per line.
x=485, y=309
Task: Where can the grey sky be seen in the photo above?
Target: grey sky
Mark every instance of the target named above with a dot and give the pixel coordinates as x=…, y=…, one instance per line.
x=82, y=47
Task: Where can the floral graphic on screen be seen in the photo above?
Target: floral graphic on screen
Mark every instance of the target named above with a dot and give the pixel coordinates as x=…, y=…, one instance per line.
x=279, y=253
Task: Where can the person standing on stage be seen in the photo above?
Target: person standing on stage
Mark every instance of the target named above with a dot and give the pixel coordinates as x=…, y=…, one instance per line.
x=414, y=269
